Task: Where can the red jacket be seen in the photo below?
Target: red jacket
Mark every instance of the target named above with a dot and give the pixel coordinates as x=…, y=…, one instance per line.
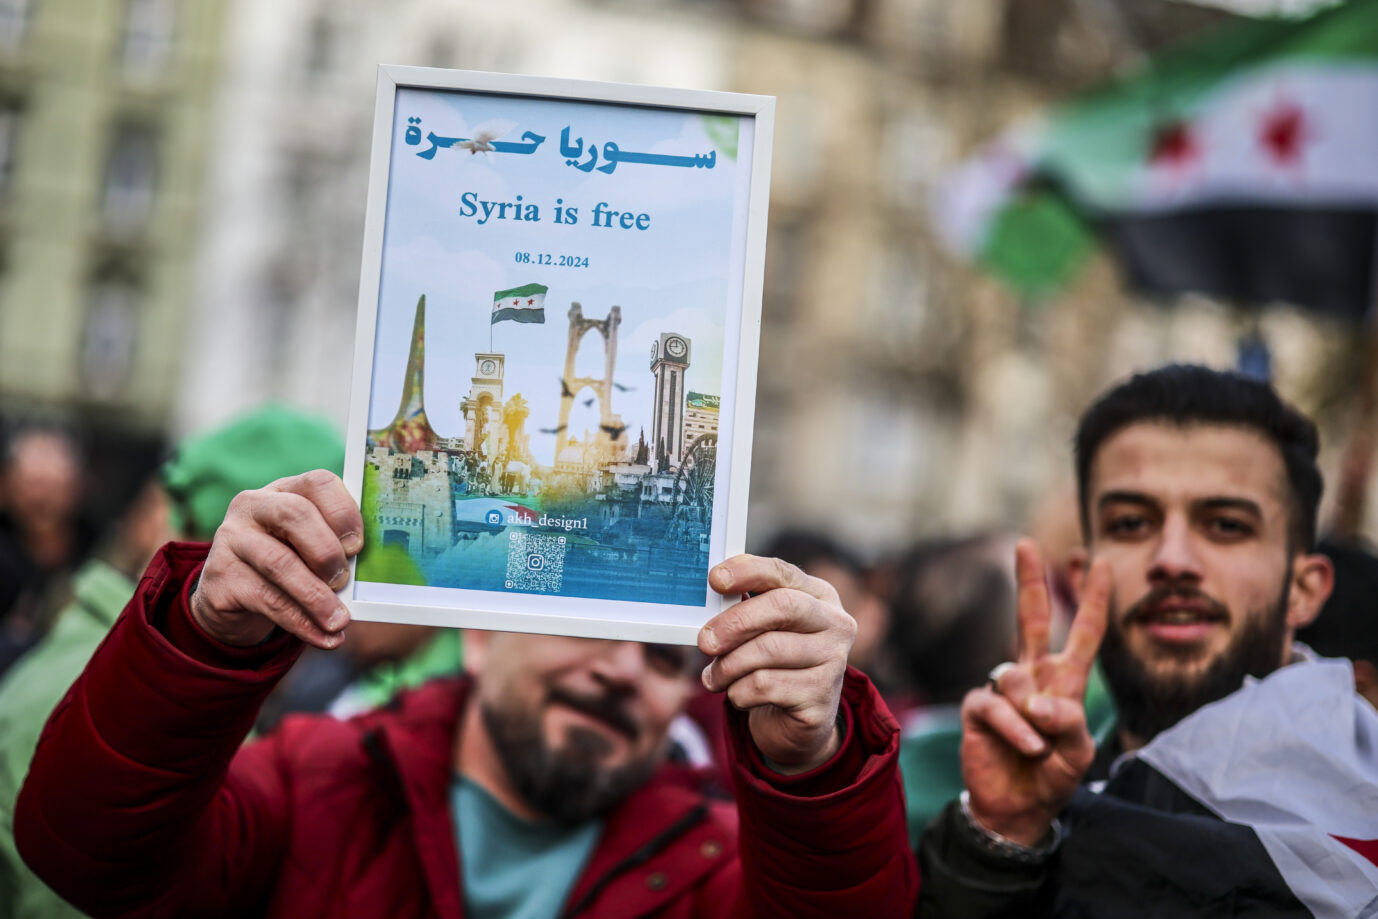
x=141, y=802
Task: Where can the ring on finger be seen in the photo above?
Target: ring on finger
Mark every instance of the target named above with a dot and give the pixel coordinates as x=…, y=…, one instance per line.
x=996, y=672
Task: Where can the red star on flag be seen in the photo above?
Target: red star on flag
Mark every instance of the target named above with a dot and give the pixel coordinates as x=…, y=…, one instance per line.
x=1368, y=848
x=1283, y=133
x=531, y=301
x=516, y=302
x=1173, y=145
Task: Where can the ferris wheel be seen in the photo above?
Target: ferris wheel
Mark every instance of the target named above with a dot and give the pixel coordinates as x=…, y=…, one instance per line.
x=694, y=481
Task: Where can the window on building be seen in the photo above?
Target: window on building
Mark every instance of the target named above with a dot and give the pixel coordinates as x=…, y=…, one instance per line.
x=146, y=43
x=321, y=44
x=131, y=178
x=9, y=143
x=786, y=263
x=15, y=18
x=278, y=313
x=441, y=51
x=109, y=338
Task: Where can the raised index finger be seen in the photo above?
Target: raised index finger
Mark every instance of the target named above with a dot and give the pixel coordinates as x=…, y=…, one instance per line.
x=1088, y=627
x=1035, y=609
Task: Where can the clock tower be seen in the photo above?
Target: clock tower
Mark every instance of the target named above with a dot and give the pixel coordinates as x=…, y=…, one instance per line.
x=669, y=361
x=482, y=408
x=487, y=375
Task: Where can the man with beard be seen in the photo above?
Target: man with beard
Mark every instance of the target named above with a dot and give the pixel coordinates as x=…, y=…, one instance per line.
x=1241, y=778
x=536, y=787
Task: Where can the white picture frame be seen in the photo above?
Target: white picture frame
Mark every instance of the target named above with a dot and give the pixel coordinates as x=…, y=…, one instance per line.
x=604, y=535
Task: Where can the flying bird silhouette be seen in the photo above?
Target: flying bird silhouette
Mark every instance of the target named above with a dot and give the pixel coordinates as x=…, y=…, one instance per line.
x=621, y=388
x=590, y=400
x=564, y=389
x=614, y=431
x=552, y=430
x=481, y=142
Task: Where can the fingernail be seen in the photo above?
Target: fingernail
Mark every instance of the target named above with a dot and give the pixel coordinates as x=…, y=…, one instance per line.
x=351, y=543
x=1033, y=744
x=335, y=640
x=1040, y=707
x=338, y=619
x=721, y=578
x=339, y=579
x=707, y=683
x=707, y=640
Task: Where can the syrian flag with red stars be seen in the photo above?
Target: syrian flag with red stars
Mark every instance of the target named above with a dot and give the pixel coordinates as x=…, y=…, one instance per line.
x=1243, y=164
x=521, y=304
x=1295, y=758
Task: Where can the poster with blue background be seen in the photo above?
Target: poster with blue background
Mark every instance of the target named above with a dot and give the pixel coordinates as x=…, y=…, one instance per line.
x=553, y=382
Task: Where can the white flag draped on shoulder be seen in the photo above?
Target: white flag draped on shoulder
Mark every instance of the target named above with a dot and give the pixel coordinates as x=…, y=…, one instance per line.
x=1295, y=757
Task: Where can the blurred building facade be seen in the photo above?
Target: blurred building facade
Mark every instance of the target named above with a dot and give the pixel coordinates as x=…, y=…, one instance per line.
x=279, y=270
x=900, y=393
x=104, y=117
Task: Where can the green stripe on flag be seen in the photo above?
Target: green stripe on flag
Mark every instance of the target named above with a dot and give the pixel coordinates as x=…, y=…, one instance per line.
x=1097, y=143
x=525, y=290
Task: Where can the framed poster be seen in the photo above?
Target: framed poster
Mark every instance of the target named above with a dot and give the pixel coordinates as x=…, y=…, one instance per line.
x=555, y=362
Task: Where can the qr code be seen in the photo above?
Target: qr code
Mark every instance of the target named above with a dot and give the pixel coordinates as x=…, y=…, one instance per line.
x=535, y=561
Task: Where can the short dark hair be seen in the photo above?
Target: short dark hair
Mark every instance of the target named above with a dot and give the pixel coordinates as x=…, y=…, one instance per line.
x=952, y=616
x=807, y=548
x=1188, y=394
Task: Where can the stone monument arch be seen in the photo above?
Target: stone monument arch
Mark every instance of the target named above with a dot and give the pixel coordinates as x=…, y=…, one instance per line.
x=608, y=420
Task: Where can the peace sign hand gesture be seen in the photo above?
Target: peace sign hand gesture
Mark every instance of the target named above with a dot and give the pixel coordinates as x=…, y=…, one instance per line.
x=1025, y=745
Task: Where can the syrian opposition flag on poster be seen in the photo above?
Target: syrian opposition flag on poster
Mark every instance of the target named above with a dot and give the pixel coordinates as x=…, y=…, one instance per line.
x=1243, y=164
x=521, y=304
x=1294, y=759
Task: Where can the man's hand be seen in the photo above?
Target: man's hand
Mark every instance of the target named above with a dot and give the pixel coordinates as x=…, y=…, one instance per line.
x=1025, y=745
x=278, y=559
x=781, y=656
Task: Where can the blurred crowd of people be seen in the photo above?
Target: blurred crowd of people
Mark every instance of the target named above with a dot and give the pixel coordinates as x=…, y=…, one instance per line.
x=933, y=622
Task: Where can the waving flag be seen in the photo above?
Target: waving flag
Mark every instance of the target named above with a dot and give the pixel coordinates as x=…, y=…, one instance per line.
x=1240, y=165
x=521, y=304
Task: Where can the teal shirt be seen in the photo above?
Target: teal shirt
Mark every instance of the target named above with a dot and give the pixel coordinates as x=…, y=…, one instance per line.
x=513, y=868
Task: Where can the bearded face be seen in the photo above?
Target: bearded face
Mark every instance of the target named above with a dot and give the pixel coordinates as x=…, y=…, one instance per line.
x=1207, y=589
x=1152, y=695
x=573, y=725
x=569, y=781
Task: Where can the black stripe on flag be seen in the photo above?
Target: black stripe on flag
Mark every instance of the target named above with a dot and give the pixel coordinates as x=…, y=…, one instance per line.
x=1320, y=258
x=1143, y=847
x=518, y=315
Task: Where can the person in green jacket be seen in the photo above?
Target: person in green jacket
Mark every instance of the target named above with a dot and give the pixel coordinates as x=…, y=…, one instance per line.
x=188, y=499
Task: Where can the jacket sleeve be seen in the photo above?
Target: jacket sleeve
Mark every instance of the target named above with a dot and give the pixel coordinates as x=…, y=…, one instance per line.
x=833, y=841
x=963, y=879
x=130, y=806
